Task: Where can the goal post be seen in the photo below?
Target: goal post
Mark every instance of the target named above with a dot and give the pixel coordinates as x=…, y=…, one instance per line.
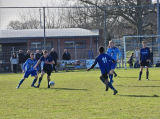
x=141, y=36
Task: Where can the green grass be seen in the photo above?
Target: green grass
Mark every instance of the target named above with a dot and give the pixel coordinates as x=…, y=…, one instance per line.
x=81, y=95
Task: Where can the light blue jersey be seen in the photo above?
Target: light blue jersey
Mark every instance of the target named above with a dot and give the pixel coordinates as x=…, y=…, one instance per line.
x=29, y=65
x=112, y=52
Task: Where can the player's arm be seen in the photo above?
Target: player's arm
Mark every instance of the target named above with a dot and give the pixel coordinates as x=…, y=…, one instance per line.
x=93, y=65
x=110, y=58
x=140, y=57
x=119, y=53
x=37, y=63
x=148, y=55
x=25, y=65
x=52, y=62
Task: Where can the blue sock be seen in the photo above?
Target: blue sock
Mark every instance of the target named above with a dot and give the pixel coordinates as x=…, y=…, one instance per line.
x=34, y=81
x=111, y=78
x=21, y=81
x=111, y=87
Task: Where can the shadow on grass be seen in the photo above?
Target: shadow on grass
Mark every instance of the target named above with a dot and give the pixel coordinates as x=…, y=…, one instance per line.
x=136, y=86
x=65, y=89
x=139, y=95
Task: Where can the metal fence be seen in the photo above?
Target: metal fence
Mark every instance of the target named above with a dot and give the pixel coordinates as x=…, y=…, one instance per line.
x=80, y=30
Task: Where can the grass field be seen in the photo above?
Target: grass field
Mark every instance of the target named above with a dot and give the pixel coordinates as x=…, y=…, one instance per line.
x=81, y=95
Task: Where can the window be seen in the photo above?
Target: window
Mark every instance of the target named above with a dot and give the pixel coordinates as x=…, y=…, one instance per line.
x=48, y=44
x=35, y=45
x=72, y=44
x=69, y=44
x=80, y=44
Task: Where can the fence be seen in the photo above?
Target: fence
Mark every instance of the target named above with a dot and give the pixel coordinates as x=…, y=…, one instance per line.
x=80, y=30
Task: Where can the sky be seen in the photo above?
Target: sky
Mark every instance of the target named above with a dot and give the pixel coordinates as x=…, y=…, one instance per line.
x=7, y=15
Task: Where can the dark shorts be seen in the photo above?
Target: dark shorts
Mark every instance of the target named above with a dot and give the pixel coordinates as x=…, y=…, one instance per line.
x=105, y=74
x=47, y=71
x=144, y=63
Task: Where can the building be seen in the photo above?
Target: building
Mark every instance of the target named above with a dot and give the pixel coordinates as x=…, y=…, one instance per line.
x=78, y=41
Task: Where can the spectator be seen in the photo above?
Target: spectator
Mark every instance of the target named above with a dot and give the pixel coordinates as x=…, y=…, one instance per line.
x=21, y=59
x=66, y=55
x=42, y=52
x=137, y=65
x=137, y=54
x=27, y=55
x=158, y=64
x=130, y=60
x=37, y=56
x=54, y=55
x=14, y=62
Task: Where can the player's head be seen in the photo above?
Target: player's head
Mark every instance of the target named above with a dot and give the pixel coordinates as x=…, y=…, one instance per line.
x=52, y=49
x=136, y=48
x=111, y=44
x=45, y=53
x=144, y=43
x=101, y=50
x=32, y=55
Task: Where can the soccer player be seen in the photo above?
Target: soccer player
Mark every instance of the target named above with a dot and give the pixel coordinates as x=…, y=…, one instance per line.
x=144, y=59
x=46, y=68
x=103, y=61
x=112, y=52
x=28, y=69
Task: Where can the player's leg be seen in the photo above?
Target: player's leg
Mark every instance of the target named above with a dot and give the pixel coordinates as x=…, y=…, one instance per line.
x=34, y=73
x=111, y=76
x=40, y=78
x=147, y=72
x=21, y=81
x=109, y=84
x=48, y=77
x=114, y=73
x=140, y=73
x=102, y=79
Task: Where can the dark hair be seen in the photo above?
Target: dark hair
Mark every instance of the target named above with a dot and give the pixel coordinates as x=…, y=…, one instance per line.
x=32, y=53
x=45, y=51
x=101, y=49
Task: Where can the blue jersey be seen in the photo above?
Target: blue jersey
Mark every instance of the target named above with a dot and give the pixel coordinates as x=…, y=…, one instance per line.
x=113, y=53
x=104, y=62
x=144, y=54
x=44, y=65
x=29, y=65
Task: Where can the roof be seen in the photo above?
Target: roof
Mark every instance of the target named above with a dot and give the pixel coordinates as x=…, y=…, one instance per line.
x=52, y=33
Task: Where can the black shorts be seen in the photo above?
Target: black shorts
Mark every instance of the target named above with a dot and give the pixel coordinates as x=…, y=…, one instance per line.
x=144, y=63
x=47, y=71
x=105, y=75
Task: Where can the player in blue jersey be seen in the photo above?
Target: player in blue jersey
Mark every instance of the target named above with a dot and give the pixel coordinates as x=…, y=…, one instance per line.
x=113, y=52
x=144, y=59
x=46, y=67
x=28, y=69
x=104, y=61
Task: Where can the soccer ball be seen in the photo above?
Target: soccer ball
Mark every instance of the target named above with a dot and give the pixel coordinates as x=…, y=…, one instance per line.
x=51, y=83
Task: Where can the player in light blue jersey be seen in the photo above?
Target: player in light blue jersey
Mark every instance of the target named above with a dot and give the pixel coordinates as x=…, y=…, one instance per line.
x=28, y=69
x=113, y=52
x=104, y=61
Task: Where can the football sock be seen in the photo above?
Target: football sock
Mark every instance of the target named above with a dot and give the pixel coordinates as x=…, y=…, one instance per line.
x=21, y=81
x=114, y=73
x=140, y=74
x=34, y=81
x=110, y=86
x=147, y=73
x=40, y=79
x=111, y=78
